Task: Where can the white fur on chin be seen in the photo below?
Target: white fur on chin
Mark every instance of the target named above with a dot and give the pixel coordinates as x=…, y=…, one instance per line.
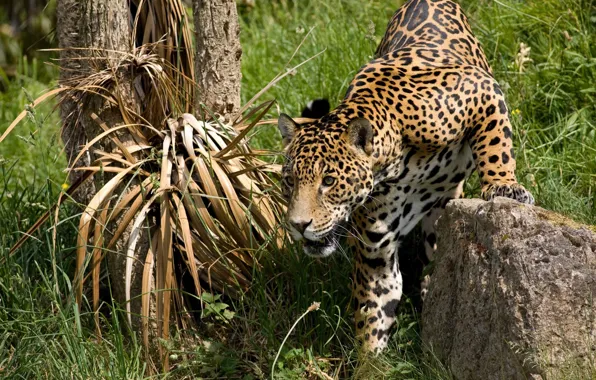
x=325, y=252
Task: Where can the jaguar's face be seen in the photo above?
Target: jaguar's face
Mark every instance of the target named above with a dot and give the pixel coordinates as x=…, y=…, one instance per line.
x=327, y=174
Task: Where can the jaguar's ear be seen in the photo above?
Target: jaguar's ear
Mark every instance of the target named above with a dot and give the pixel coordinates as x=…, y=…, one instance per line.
x=287, y=128
x=360, y=135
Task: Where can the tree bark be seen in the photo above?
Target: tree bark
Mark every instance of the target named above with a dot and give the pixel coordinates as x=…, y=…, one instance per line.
x=95, y=35
x=218, y=55
x=85, y=29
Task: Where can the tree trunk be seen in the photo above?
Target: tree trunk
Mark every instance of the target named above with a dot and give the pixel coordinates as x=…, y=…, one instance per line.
x=95, y=35
x=87, y=28
x=218, y=55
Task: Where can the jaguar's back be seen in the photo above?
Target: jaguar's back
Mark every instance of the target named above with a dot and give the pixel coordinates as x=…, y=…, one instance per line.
x=434, y=32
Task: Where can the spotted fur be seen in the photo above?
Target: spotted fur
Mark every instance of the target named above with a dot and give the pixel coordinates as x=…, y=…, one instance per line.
x=415, y=122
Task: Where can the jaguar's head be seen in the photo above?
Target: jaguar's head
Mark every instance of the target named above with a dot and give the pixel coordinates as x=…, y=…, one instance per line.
x=327, y=174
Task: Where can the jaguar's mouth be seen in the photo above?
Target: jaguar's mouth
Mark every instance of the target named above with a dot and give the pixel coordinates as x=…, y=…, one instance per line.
x=323, y=247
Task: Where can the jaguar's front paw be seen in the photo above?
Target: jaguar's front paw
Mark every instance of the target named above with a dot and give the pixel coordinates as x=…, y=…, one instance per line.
x=513, y=191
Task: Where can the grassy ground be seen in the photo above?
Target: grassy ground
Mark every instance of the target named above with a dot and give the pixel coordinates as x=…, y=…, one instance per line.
x=553, y=103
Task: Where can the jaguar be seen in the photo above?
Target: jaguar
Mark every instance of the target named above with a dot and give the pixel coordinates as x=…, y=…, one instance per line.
x=415, y=122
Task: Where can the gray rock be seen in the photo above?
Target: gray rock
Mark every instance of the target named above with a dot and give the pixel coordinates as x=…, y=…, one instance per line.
x=511, y=295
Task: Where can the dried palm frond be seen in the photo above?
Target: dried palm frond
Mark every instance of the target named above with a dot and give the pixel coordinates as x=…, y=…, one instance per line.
x=192, y=188
x=207, y=198
x=162, y=27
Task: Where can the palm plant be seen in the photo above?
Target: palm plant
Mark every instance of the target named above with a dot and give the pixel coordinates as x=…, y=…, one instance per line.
x=191, y=188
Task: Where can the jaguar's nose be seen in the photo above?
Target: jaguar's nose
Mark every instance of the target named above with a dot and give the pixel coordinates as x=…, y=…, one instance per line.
x=301, y=226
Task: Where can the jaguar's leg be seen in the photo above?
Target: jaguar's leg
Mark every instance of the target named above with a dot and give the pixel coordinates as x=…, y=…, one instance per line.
x=383, y=221
x=492, y=148
x=377, y=291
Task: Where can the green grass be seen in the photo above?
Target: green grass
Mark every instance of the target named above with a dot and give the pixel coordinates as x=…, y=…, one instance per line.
x=41, y=334
x=555, y=129
x=33, y=149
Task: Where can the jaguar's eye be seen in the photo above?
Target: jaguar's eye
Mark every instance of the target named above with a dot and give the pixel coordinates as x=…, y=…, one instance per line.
x=289, y=180
x=328, y=180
